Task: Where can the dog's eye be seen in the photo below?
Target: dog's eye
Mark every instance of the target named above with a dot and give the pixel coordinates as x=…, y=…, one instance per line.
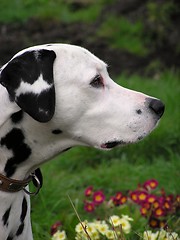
x=97, y=82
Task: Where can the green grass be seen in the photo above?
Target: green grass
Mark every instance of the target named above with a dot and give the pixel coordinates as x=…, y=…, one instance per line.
x=19, y=10
x=117, y=170
x=123, y=34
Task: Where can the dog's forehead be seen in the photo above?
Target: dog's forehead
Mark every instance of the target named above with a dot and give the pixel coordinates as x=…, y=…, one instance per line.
x=66, y=51
x=78, y=55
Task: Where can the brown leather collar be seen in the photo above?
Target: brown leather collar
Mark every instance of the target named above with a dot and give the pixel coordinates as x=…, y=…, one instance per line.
x=12, y=185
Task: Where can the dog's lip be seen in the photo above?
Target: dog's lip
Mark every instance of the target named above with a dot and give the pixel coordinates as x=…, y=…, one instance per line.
x=112, y=144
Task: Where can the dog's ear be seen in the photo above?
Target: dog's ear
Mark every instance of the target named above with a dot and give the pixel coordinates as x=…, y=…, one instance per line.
x=28, y=78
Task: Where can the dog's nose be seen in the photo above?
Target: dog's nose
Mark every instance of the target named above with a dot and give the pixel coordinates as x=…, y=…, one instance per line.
x=157, y=106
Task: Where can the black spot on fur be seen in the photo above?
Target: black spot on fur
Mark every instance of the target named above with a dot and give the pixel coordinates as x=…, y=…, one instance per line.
x=14, y=140
x=24, y=210
x=5, y=217
x=139, y=111
x=20, y=229
x=17, y=117
x=56, y=131
x=9, y=237
x=140, y=137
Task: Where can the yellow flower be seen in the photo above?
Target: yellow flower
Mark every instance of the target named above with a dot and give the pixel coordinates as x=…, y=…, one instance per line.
x=148, y=235
x=172, y=236
x=59, y=235
x=126, y=226
x=110, y=234
x=102, y=227
x=127, y=217
x=91, y=229
x=114, y=220
x=163, y=235
x=80, y=226
x=94, y=235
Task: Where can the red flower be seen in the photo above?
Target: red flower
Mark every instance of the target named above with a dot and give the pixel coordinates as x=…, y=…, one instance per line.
x=163, y=224
x=88, y=191
x=119, y=199
x=151, y=198
x=54, y=227
x=142, y=196
x=98, y=197
x=144, y=211
x=115, y=201
x=118, y=195
x=89, y=206
x=154, y=222
x=156, y=204
x=134, y=195
x=139, y=196
x=169, y=198
x=167, y=205
x=161, y=199
x=123, y=200
x=150, y=184
x=178, y=199
x=159, y=212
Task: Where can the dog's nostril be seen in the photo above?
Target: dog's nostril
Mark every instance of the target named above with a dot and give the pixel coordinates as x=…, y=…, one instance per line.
x=157, y=106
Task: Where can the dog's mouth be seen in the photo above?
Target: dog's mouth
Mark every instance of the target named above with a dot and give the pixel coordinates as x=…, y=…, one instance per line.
x=109, y=145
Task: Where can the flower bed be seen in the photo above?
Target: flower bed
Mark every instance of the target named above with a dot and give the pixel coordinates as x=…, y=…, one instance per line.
x=116, y=217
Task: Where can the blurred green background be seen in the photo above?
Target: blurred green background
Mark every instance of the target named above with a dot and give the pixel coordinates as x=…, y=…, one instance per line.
x=130, y=35
x=139, y=40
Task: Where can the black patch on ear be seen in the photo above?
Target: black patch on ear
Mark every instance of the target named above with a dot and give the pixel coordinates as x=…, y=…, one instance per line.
x=17, y=117
x=14, y=140
x=27, y=68
x=56, y=131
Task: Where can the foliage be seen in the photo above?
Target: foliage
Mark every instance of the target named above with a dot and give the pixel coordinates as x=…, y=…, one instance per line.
x=146, y=34
x=19, y=10
x=123, y=34
x=159, y=16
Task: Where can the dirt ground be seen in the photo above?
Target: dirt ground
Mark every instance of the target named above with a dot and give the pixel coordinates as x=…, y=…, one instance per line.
x=16, y=36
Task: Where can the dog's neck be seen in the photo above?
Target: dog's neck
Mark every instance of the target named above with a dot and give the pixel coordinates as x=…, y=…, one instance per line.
x=25, y=144
x=15, y=220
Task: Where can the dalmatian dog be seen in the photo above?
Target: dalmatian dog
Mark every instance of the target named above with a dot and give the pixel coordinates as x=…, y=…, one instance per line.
x=54, y=97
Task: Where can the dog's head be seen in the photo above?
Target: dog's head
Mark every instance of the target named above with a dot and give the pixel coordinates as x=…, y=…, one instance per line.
x=68, y=88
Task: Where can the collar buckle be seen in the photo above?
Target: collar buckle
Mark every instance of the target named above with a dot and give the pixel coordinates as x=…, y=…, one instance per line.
x=12, y=185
